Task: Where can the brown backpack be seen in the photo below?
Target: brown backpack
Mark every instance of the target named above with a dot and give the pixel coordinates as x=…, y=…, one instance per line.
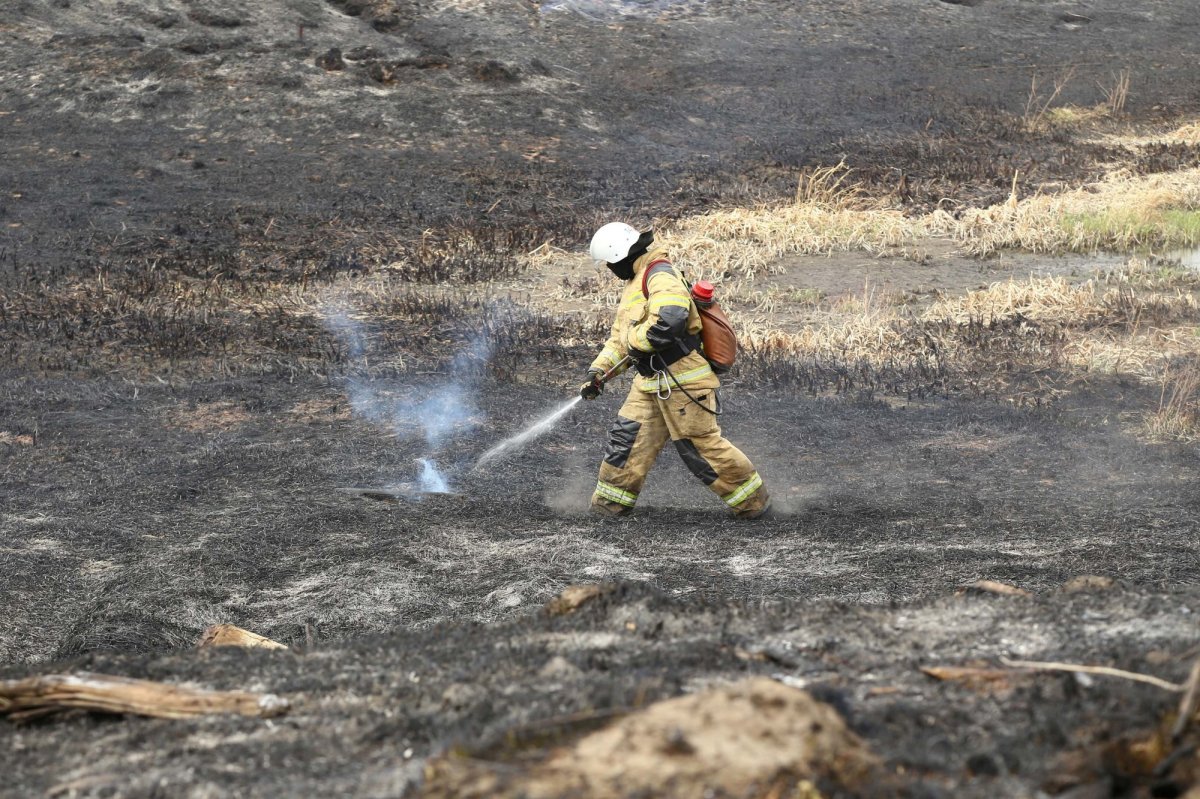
x=717, y=339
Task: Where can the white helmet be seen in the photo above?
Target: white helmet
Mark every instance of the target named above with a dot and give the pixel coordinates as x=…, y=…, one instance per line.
x=613, y=242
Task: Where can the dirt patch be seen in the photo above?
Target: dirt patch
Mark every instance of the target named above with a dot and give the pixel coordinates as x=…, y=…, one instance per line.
x=319, y=410
x=757, y=738
x=209, y=417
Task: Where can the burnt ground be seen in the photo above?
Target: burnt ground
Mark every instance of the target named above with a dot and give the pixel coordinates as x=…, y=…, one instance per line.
x=137, y=522
x=181, y=182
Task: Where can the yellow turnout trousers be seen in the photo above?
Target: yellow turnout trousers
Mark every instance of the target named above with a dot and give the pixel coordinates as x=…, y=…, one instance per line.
x=644, y=424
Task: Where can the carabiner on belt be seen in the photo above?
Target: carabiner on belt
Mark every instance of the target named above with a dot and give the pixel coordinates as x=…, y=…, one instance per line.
x=662, y=379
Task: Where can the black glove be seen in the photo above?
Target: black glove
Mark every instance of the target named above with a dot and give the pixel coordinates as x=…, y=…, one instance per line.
x=593, y=387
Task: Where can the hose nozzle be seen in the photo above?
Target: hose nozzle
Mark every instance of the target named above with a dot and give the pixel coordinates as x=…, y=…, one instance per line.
x=616, y=370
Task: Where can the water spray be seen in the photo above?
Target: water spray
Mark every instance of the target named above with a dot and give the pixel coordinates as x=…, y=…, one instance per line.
x=527, y=435
x=543, y=425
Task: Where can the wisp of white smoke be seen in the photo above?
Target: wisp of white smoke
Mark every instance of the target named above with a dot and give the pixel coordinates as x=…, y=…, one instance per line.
x=443, y=411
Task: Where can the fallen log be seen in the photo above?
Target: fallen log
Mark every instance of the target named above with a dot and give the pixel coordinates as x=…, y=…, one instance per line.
x=230, y=635
x=33, y=697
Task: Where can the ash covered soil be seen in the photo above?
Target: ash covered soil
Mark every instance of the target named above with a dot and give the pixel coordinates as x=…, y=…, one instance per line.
x=184, y=182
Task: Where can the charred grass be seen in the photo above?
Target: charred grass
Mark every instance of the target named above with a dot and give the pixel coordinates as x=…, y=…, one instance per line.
x=127, y=530
x=1178, y=414
x=197, y=307
x=1021, y=341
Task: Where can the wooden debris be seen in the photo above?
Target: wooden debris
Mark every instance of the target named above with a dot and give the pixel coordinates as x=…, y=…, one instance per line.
x=33, y=697
x=1100, y=670
x=229, y=635
x=1188, y=705
x=993, y=587
x=885, y=690
x=975, y=678
x=575, y=596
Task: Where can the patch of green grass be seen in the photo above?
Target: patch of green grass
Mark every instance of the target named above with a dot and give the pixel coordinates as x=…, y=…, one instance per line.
x=1128, y=228
x=807, y=297
x=1155, y=274
x=1070, y=116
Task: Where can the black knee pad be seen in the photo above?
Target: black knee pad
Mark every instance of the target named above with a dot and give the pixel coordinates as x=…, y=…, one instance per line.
x=620, y=441
x=695, y=461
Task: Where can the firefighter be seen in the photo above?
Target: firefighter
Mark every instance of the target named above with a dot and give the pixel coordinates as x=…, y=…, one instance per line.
x=675, y=393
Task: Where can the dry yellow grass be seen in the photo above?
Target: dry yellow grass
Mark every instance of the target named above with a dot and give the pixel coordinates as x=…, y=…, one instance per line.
x=1130, y=321
x=1121, y=212
x=1188, y=134
x=1178, y=414
x=1107, y=326
x=870, y=338
x=1058, y=301
x=827, y=215
x=1051, y=299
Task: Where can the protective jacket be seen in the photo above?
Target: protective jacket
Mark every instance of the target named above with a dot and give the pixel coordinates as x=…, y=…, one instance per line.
x=659, y=323
x=676, y=403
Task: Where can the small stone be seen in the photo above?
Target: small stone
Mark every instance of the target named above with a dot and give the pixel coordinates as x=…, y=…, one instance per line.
x=355, y=8
x=380, y=73
x=983, y=765
x=460, y=695
x=494, y=71
x=575, y=596
x=162, y=20
x=198, y=45
x=677, y=744
x=331, y=60
x=1086, y=583
x=214, y=19
x=387, y=23
x=1092, y=790
x=362, y=53
x=559, y=668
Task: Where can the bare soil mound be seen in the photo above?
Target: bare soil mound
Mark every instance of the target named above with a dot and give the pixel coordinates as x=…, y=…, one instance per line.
x=756, y=738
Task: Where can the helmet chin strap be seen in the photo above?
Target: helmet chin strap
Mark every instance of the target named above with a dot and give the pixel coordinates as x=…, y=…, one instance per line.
x=624, y=267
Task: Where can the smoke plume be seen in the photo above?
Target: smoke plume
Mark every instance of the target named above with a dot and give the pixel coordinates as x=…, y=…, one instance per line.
x=436, y=413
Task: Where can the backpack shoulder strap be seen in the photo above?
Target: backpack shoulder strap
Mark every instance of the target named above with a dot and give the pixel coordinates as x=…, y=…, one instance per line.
x=661, y=265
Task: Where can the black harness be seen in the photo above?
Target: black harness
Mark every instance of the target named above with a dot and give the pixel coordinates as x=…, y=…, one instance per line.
x=660, y=361
x=667, y=356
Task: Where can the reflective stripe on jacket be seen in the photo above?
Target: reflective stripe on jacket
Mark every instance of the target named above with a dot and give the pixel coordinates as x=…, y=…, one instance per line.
x=646, y=323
